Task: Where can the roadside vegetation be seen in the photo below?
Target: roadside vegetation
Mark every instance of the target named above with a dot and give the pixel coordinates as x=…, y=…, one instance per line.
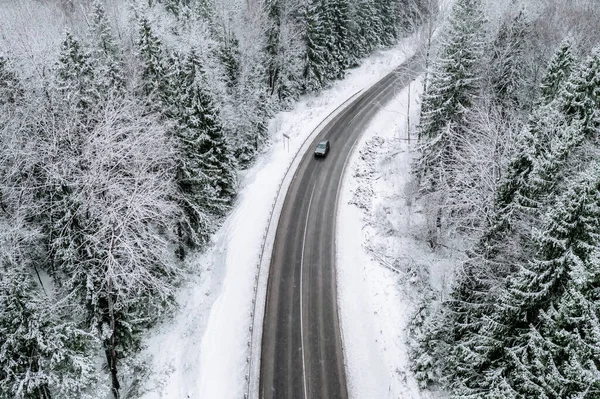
x=508, y=169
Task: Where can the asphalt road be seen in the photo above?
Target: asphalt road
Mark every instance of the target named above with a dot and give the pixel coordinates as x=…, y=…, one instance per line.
x=302, y=355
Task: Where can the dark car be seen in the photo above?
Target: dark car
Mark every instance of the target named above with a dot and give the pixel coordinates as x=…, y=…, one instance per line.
x=322, y=149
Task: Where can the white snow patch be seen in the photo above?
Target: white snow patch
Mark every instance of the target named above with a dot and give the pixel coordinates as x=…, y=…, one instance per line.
x=202, y=351
x=383, y=267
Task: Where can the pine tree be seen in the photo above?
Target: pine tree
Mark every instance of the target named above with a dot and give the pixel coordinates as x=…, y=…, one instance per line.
x=388, y=11
x=43, y=352
x=207, y=171
x=201, y=114
x=110, y=69
x=229, y=55
x=580, y=97
x=315, y=68
x=366, y=28
x=451, y=92
x=204, y=9
x=151, y=55
x=478, y=337
x=565, y=245
x=557, y=73
x=75, y=75
x=555, y=299
x=335, y=22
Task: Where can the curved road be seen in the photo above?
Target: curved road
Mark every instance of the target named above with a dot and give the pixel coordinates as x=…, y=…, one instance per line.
x=302, y=354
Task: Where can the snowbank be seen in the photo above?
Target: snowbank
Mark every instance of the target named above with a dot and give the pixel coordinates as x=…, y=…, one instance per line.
x=383, y=267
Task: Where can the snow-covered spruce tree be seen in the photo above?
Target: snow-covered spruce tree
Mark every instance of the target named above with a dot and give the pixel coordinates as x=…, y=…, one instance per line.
x=500, y=259
x=176, y=7
x=550, y=149
x=451, y=92
x=44, y=353
x=110, y=77
x=336, y=22
x=560, y=358
x=389, y=13
x=315, y=67
x=203, y=9
x=553, y=132
x=365, y=28
x=547, y=152
x=201, y=114
x=76, y=76
x=229, y=55
x=533, y=142
x=544, y=152
x=558, y=72
x=206, y=175
x=580, y=97
x=151, y=55
x=284, y=50
x=548, y=346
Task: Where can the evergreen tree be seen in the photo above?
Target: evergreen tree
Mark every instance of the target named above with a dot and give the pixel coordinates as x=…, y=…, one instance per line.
x=207, y=170
x=560, y=359
x=75, y=75
x=478, y=337
x=284, y=52
x=550, y=313
x=388, y=11
x=229, y=55
x=175, y=6
x=450, y=93
x=204, y=9
x=367, y=28
x=565, y=246
x=315, y=68
x=43, y=354
x=153, y=64
x=337, y=46
x=201, y=114
x=557, y=73
x=110, y=68
x=580, y=97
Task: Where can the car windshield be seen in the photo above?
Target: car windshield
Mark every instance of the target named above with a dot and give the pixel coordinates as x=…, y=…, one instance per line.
x=322, y=145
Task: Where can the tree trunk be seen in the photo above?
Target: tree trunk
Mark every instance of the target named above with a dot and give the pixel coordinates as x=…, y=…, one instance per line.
x=110, y=344
x=45, y=392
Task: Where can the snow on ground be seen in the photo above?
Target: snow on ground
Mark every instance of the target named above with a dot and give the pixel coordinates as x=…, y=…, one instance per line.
x=201, y=352
x=383, y=265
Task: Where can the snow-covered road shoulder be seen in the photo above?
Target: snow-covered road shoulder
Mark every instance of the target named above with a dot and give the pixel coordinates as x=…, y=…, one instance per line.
x=379, y=278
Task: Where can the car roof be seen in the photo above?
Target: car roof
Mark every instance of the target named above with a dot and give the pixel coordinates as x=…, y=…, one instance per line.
x=324, y=142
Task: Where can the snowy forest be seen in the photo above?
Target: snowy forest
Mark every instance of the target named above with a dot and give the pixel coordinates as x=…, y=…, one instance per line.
x=123, y=126
x=508, y=169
